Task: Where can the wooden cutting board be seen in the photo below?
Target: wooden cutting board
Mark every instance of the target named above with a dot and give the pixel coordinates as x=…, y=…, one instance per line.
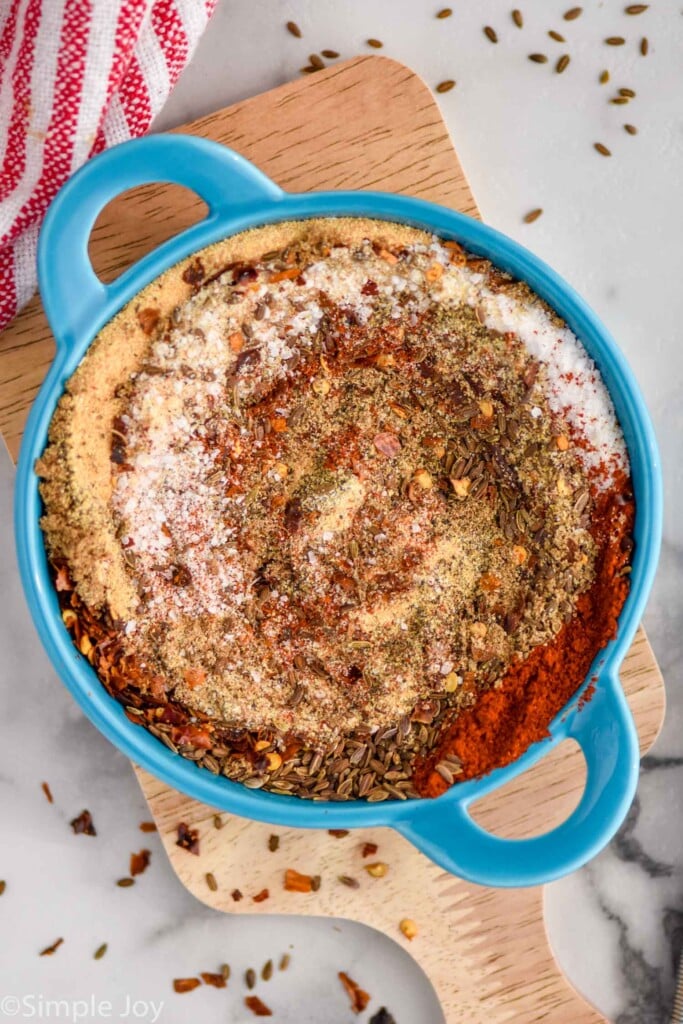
x=366, y=123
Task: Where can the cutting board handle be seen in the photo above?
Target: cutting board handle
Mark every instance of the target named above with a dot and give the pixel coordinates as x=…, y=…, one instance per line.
x=604, y=729
x=73, y=296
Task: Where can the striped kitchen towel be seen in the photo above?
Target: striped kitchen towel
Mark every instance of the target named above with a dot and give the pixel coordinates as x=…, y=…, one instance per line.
x=76, y=76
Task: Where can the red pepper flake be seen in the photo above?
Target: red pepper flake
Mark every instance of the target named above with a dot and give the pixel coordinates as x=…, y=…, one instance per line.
x=139, y=862
x=147, y=826
x=83, y=824
x=217, y=980
x=296, y=882
x=188, y=839
x=369, y=849
x=47, y=791
x=185, y=984
x=257, y=1006
x=359, y=998
x=338, y=833
x=236, y=895
x=49, y=950
x=259, y=897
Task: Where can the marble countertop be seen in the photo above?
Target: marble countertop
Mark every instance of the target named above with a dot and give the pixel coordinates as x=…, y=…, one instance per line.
x=613, y=227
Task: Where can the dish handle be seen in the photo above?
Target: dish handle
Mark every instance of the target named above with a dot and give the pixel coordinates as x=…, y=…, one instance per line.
x=73, y=296
x=444, y=830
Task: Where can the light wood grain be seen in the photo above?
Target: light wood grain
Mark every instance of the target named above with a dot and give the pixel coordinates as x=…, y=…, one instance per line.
x=368, y=123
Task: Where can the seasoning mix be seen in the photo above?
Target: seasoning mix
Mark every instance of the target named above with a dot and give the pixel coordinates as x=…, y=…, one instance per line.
x=340, y=510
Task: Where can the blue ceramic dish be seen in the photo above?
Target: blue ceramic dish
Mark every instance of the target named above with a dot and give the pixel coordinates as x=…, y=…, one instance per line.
x=238, y=196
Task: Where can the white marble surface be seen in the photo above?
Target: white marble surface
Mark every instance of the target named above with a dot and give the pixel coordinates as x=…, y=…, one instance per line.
x=613, y=227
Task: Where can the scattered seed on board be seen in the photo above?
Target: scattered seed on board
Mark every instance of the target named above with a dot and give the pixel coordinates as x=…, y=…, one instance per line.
x=562, y=63
x=347, y=880
x=376, y=44
x=316, y=62
x=330, y=54
x=615, y=40
x=284, y=961
x=308, y=70
x=604, y=77
x=572, y=13
x=631, y=129
x=490, y=33
x=602, y=150
x=100, y=951
x=446, y=86
x=517, y=18
x=445, y=12
x=250, y=977
x=211, y=881
x=538, y=58
x=556, y=36
x=636, y=8
x=267, y=970
x=294, y=29
x=533, y=215
x=644, y=46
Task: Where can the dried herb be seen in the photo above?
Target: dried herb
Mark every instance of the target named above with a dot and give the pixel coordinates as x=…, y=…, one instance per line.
x=188, y=839
x=83, y=824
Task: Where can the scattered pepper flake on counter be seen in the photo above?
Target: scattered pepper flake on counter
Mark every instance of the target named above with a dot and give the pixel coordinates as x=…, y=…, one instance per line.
x=358, y=996
x=188, y=839
x=181, y=985
x=47, y=791
x=257, y=1006
x=139, y=862
x=147, y=826
x=260, y=896
x=236, y=895
x=83, y=824
x=215, y=980
x=296, y=882
x=338, y=833
x=369, y=849
x=49, y=950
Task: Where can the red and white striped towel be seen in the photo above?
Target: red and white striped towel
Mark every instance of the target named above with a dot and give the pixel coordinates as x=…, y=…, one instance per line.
x=76, y=76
